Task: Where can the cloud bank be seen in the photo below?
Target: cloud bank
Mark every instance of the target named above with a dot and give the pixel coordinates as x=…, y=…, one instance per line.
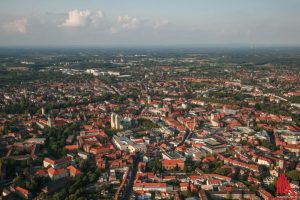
x=161, y=23
x=125, y=22
x=77, y=18
x=16, y=26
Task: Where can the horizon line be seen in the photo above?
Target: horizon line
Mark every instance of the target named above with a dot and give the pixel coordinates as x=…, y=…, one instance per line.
x=219, y=45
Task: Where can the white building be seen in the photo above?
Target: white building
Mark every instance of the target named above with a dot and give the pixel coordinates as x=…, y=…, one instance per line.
x=115, y=121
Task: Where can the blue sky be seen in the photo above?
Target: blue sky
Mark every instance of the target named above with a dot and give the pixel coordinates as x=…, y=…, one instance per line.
x=149, y=22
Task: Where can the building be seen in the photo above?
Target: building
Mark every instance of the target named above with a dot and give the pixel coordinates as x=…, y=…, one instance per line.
x=251, y=167
x=115, y=121
x=213, y=146
x=83, y=155
x=264, y=161
x=73, y=171
x=122, y=142
x=56, y=174
x=184, y=186
x=62, y=162
x=112, y=120
x=264, y=194
x=151, y=187
x=173, y=164
x=23, y=193
x=233, y=194
x=51, y=122
x=41, y=173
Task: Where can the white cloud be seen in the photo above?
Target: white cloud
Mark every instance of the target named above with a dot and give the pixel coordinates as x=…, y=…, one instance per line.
x=128, y=22
x=16, y=26
x=50, y=18
x=125, y=22
x=160, y=24
x=83, y=18
x=97, y=17
x=77, y=18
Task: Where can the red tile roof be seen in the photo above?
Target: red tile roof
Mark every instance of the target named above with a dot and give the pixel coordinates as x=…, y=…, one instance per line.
x=71, y=147
x=41, y=172
x=172, y=162
x=184, y=184
x=53, y=171
x=74, y=170
x=22, y=190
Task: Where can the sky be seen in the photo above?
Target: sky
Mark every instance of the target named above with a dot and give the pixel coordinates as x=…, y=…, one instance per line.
x=148, y=22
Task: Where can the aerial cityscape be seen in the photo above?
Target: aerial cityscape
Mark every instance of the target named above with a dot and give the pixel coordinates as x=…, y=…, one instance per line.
x=151, y=106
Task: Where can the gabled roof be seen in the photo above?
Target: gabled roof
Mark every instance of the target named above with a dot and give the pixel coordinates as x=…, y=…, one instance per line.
x=172, y=162
x=53, y=172
x=22, y=190
x=41, y=172
x=74, y=170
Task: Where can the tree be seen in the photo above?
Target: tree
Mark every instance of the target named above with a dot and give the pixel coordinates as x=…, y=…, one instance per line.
x=257, y=106
x=84, y=165
x=92, y=177
x=18, y=180
x=294, y=175
x=154, y=165
x=223, y=171
x=41, y=196
x=136, y=112
x=31, y=185
x=148, y=124
x=173, y=182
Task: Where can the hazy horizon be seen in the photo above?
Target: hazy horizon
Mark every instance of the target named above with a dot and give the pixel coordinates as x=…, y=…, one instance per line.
x=149, y=23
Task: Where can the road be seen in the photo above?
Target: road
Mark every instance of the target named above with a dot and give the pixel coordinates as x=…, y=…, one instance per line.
x=129, y=187
x=186, y=135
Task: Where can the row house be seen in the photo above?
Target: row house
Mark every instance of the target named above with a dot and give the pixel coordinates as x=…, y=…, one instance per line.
x=117, y=164
x=152, y=187
x=173, y=164
x=22, y=192
x=264, y=161
x=251, y=167
x=56, y=174
x=60, y=163
x=101, y=163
